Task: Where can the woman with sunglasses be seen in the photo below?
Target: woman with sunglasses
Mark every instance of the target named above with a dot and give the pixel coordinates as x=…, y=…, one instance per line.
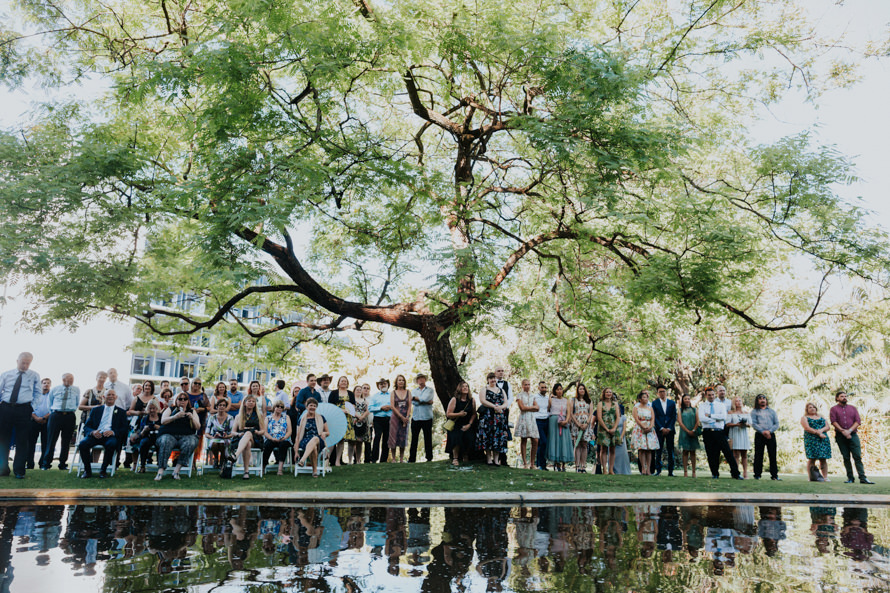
x=179, y=425
x=277, y=436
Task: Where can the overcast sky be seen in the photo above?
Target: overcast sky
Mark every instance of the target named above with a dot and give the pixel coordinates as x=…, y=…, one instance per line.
x=855, y=119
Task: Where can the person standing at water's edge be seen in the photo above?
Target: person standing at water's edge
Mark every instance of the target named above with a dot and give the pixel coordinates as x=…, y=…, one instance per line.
x=845, y=420
x=542, y=416
x=39, y=422
x=712, y=416
x=765, y=422
x=665, y=427
x=63, y=401
x=18, y=388
x=422, y=418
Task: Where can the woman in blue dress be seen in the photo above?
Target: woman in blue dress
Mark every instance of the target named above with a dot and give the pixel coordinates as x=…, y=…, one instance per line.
x=816, y=444
x=311, y=435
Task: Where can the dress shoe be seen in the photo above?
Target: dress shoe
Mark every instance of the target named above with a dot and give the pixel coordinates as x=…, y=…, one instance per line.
x=85, y=476
x=758, y=477
x=29, y=466
x=850, y=481
x=102, y=474
x=865, y=481
x=738, y=478
x=20, y=476
x=715, y=477
x=64, y=468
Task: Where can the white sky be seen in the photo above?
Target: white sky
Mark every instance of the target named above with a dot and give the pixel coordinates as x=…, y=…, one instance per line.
x=855, y=119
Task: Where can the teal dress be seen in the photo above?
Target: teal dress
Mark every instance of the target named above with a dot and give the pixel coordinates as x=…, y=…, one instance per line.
x=815, y=446
x=684, y=441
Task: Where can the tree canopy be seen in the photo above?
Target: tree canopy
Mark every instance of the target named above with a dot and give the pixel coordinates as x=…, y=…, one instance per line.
x=430, y=166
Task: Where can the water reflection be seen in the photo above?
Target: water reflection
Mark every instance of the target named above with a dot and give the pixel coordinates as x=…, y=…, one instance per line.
x=354, y=549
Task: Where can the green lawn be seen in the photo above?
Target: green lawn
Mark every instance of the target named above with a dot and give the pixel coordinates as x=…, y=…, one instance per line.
x=440, y=477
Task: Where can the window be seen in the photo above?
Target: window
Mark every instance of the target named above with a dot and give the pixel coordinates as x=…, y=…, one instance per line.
x=161, y=368
x=186, y=369
x=141, y=365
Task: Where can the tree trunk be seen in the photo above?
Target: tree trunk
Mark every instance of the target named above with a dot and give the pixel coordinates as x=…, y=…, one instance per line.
x=443, y=366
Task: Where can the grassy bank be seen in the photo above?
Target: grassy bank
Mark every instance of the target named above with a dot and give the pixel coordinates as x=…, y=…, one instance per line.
x=440, y=477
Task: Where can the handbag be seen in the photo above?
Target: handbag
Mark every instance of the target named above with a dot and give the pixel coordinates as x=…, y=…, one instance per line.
x=449, y=425
x=360, y=429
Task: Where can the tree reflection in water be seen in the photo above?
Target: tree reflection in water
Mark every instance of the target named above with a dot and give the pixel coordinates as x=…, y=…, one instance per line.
x=356, y=549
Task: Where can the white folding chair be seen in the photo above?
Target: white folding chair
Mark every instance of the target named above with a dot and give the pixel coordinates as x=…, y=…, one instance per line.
x=256, y=464
x=95, y=466
x=336, y=421
x=186, y=469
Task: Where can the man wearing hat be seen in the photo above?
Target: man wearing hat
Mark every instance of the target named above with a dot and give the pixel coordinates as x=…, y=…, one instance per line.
x=422, y=418
x=324, y=387
x=378, y=405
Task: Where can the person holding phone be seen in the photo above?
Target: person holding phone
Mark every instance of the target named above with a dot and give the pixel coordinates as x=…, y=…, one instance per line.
x=179, y=427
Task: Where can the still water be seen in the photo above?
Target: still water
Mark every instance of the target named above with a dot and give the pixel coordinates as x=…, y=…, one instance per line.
x=134, y=548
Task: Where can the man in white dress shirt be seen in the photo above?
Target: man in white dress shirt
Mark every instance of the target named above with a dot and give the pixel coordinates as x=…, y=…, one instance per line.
x=124, y=394
x=712, y=415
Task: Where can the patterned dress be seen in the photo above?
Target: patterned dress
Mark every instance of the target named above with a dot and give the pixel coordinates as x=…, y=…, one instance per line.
x=340, y=402
x=526, y=427
x=643, y=440
x=605, y=438
x=815, y=446
x=583, y=412
x=398, y=432
x=492, y=432
x=311, y=430
x=276, y=428
x=361, y=406
x=738, y=435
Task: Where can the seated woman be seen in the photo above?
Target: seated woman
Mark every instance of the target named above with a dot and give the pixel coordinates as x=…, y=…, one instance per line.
x=219, y=431
x=278, y=431
x=311, y=435
x=250, y=425
x=146, y=434
x=179, y=427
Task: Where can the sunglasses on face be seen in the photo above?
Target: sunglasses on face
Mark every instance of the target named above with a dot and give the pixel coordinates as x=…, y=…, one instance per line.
x=182, y=399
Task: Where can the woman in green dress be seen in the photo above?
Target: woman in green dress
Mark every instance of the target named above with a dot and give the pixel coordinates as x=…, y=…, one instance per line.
x=815, y=441
x=607, y=418
x=687, y=442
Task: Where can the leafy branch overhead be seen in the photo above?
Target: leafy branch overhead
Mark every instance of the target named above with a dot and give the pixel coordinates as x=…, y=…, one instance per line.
x=345, y=163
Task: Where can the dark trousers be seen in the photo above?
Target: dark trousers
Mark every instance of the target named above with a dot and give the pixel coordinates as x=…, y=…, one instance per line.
x=416, y=427
x=715, y=444
x=849, y=447
x=665, y=441
x=60, y=423
x=543, y=429
x=14, y=417
x=760, y=442
x=381, y=434
x=280, y=449
x=143, y=449
x=86, y=451
x=39, y=430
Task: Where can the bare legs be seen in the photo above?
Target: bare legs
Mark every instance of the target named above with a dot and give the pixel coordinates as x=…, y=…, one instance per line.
x=581, y=457
x=645, y=461
x=688, y=456
x=244, y=451
x=607, y=459
x=741, y=459
x=310, y=454
x=522, y=450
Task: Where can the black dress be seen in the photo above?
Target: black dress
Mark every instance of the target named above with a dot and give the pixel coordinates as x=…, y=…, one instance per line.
x=458, y=437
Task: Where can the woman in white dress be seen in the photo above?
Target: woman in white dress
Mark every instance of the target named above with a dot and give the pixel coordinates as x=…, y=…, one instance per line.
x=645, y=441
x=737, y=425
x=526, y=428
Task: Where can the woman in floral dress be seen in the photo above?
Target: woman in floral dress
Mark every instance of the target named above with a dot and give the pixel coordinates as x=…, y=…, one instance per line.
x=816, y=444
x=491, y=436
x=580, y=411
x=644, y=438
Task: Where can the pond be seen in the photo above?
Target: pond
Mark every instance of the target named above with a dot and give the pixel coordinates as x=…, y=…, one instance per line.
x=133, y=548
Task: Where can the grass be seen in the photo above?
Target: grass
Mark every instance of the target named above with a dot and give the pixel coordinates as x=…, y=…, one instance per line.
x=440, y=477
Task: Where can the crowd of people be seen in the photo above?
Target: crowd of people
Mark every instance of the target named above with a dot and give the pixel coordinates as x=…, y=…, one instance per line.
x=552, y=428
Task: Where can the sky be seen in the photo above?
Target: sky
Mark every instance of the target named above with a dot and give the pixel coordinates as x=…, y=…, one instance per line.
x=855, y=119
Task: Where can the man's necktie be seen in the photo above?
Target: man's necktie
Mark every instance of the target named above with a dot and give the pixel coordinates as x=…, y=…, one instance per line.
x=14, y=398
x=65, y=400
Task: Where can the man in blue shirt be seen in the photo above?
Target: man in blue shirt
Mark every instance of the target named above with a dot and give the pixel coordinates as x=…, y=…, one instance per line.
x=379, y=406
x=63, y=401
x=39, y=422
x=422, y=418
x=235, y=396
x=306, y=393
x=18, y=388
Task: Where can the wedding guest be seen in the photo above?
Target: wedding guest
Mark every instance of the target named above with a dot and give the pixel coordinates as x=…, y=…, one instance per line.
x=311, y=435
x=816, y=444
x=234, y=396
x=491, y=435
x=277, y=436
x=665, y=411
x=462, y=410
x=608, y=415
x=712, y=416
x=845, y=420
x=542, y=416
x=422, y=398
x=621, y=466
x=765, y=422
x=737, y=425
x=361, y=426
x=93, y=397
x=250, y=428
x=140, y=400
x=582, y=414
x=344, y=399
x=62, y=403
x=107, y=426
x=559, y=443
x=688, y=442
x=40, y=413
x=644, y=438
x=220, y=391
x=166, y=398
x=400, y=403
x=146, y=435
x=526, y=427
x=220, y=431
x=121, y=388
x=179, y=425
x=305, y=393
x=380, y=407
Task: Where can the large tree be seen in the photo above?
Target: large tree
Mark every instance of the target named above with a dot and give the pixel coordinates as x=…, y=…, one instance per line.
x=342, y=164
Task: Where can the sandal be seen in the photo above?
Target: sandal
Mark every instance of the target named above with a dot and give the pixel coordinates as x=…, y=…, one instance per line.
x=280, y=472
x=158, y=477
x=314, y=474
x=245, y=476
x=175, y=475
x=455, y=463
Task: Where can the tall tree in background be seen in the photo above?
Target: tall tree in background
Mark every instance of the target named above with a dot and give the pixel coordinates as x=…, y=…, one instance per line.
x=336, y=164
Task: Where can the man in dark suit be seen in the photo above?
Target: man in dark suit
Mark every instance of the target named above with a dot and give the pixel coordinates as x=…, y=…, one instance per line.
x=665, y=426
x=107, y=426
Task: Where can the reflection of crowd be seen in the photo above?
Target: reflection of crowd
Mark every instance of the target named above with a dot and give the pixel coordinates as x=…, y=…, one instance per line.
x=491, y=548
